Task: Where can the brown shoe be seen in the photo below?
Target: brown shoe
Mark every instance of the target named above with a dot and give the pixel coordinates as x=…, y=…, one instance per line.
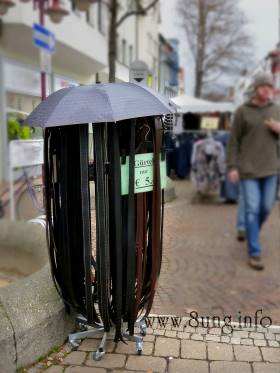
x=255, y=262
x=241, y=236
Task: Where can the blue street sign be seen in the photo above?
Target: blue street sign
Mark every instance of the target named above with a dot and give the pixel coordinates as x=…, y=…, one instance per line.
x=43, y=38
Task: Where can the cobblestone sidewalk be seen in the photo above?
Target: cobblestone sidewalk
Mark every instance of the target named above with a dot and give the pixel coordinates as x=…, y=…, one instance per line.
x=176, y=349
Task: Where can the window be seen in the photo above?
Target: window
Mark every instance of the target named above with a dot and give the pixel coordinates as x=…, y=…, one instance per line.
x=155, y=64
x=124, y=52
x=91, y=14
x=149, y=42
x=73, y=5
x=118, y=48
x=130, y=5
x=102, y=18
x=130, y=55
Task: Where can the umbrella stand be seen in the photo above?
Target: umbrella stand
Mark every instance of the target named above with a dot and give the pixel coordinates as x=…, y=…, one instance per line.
x=109, y=279
x=110, y=282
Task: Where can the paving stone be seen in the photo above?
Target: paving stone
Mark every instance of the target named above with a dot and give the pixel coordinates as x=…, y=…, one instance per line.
x=189, y=329
x=262, y=329
x=201, y=330
x=91, y=344
x=260, y=342
x=127, y=371
x=247, y=353
x=256, y=335
x=271, y=355
x=149, y=338
x=274, y=329
x=246, y=342
x=193, y=349
x=167, y=347
x=109, y=361
x=197, y=337
x=270, y=336
x=277, y=337
x=146, y=363
x=213, y=338
x=235, y=341
x=229, y=367
x=179, y=328
x=225, y=339
x=266, y=368
x=84, y=370
x=216, y=331
x=171, y=333
x=239, y=334
x=54, y=369
x=187, y=366
x=130, y=348
x=183, y=335
x=219, y=351
x=159, y=332
x=273, y=344
x=74, y=358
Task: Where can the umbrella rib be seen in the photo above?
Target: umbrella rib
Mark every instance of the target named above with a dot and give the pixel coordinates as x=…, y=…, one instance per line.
x=109, y=101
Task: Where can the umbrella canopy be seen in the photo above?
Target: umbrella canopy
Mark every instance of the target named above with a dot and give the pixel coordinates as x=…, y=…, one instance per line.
x=98, y=103
x=189, y=104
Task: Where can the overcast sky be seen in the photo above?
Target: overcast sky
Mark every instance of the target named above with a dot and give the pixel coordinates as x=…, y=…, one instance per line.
x=263, y=17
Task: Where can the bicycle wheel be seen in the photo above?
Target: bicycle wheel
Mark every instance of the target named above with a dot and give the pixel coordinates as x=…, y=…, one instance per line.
x=29, y=203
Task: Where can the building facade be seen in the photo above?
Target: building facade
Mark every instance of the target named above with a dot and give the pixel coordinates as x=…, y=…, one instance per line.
x=81, y=53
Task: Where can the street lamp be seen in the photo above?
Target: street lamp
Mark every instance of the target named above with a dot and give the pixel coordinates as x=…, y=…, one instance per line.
x=5, y=5
x=56, y=12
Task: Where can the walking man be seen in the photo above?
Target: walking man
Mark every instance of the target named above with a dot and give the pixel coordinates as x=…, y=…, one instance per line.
x=252, y=159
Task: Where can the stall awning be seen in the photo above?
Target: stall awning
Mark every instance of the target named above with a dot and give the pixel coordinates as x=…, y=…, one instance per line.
x=189, y=104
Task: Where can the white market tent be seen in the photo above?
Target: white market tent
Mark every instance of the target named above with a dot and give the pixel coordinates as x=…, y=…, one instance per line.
x=190, y=104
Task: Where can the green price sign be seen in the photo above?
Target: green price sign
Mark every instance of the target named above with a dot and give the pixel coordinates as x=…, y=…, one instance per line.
x=144, y=174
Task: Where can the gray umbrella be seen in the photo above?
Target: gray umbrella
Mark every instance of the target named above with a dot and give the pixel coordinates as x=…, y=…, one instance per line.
x=98, y=103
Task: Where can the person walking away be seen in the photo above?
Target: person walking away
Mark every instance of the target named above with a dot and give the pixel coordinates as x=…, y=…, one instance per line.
x=252, y=159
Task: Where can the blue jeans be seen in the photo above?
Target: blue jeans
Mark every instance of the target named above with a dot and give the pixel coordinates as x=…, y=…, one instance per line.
x=259, y=197
x=240, y=224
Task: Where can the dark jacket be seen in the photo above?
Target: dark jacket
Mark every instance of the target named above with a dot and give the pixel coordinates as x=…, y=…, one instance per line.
x=252, y=147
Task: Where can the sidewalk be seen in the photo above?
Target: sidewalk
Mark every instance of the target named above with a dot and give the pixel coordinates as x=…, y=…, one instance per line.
x=176, y=350
x=203, y=269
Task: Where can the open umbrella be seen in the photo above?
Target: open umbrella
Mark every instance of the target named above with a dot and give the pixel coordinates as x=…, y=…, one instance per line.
x=97, y=104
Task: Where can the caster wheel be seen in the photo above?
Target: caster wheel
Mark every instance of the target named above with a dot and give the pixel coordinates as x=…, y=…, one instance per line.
x=83, y=327
x=74, y=344
x=98, y=355
x=139, y=352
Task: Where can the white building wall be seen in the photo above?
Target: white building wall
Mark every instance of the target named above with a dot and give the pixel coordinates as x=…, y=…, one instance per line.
x=148, y=46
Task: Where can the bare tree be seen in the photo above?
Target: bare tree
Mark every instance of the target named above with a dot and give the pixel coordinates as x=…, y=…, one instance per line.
x=139, y=8
x=218, y=40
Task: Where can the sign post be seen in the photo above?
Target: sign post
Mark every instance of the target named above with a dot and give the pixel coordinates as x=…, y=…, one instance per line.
x=45, y=41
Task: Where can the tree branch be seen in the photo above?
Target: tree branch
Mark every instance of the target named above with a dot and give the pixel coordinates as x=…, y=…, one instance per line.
x=140, y=11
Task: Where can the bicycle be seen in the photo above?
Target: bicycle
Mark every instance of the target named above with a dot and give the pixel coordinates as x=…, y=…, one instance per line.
x=28, y=196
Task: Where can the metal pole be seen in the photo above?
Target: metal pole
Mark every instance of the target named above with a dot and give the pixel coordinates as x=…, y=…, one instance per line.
x=41, y=6
x=278, y=20
x=11, y=185
x=4, y=160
